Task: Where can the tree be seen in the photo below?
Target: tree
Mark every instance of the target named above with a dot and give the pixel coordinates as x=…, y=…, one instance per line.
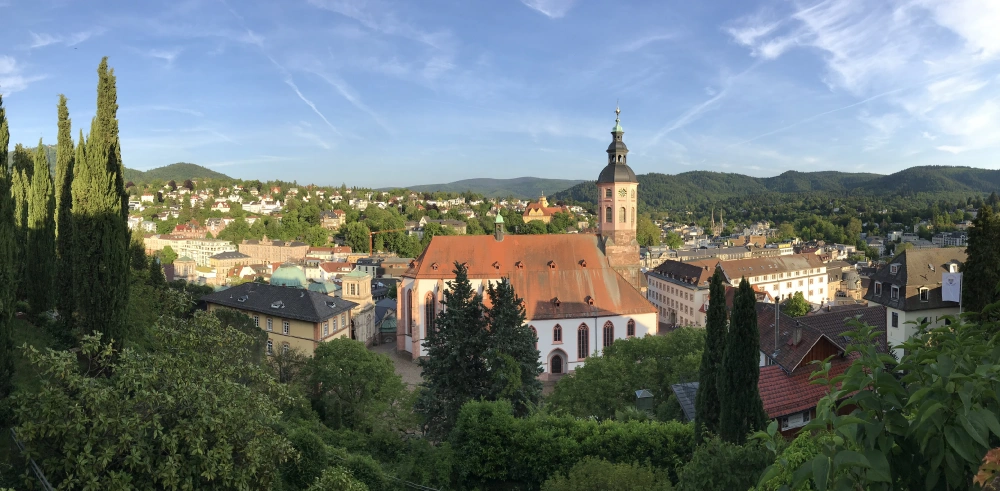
x=214, y=412
x=720, y=465
x=647, y=233
x=101, y=238
x=853, y=230
x=796, y=305
x=167, y=255
x=356, y=236
x=707, y=400
x=534, y=227
x=512, y=354
x=65, y=159
x=337, y=479
x=981, y=271
x=8, y=261
x=742, y=410
x=21, y=170
x=156, y=278
x=673, y=240
x=41, y=236
x=594, y=474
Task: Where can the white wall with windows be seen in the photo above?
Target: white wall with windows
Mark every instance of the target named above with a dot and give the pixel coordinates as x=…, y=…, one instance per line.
x=902, y=325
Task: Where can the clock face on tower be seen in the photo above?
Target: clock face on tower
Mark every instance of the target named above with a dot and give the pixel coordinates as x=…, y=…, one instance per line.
x=621, y=192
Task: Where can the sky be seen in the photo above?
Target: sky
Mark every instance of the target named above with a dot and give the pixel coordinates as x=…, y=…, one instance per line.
x=403, y=92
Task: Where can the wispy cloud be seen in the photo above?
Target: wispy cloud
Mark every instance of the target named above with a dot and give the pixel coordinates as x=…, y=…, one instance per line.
x=167, y=55
x=553, y=9
x=642, y=42
x=12, y=76
x=348, y=93
x=161, y=107
x=298, y=92
x=41, y=40
x=303, y=132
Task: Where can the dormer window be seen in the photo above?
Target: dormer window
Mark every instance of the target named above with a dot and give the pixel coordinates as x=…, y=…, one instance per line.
x=590, y=300
x=893, y=268
x=496, y=265
x=583, y=262
x=925, y=295
x=552, y=265
x=519, y=265
x=556, y=302
x=434, y=266
x=952, y=268
x=894, y=294
x=878, y=288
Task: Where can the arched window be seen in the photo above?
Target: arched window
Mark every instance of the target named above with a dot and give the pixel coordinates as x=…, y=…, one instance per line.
x=609, y=333
x=535, y=332
x=556, y=364
x=408, y=305
x=607, y=214
x=630, y=330
x=607, y=192
x=557, y=334
x=633, y=194
x=429, y=313
x=582, y=342
x=619, y=158
x=621, y=215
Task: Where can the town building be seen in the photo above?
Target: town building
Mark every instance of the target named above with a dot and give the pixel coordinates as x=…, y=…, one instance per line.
x=273, y=251
x=909, y=287
x=338, y=253
x=581, y=292
x=950, y=239
x=224, y=261
x=294, y=318
x=541, y=211
x=720, y=253
x=356, y=287
x=202, y=249
x=184, y=268
x=333, y=219
x=679, y=290
x=781, y=276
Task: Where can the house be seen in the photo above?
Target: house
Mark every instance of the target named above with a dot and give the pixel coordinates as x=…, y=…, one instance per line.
x=147, y=198
x=909, y=287
x=202, y=249
x=221, y=205
x=394, y=267
x=721, y=253
x=541, y=211
x=331, y=270
x=456, y=225
x=779, y=276
x=270, y=251
x=950, y=239
x=678, y=290
x=190, y=230
x=224, y=261
x=294, y=318
x=333, y=219
x=370, y=265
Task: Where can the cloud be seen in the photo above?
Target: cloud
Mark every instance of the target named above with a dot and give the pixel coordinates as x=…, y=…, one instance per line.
x=304, y=133
x=12, y=77
x=295, y=88
x=348, y=93
x=642, y=42
x=166, y=108
x=167, y=55
x=883, y=128
x=42, y=40
x=552, y=9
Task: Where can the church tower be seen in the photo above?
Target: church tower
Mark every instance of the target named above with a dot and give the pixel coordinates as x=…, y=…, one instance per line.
x=616, y=202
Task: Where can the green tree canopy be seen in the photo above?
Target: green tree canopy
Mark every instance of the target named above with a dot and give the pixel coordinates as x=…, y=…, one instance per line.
x=796, y=305
x=41, y=236
x=742, y=410
x=708, y=400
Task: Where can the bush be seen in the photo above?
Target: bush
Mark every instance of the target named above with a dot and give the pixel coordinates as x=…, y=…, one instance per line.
x=592, y=474
x=721, y=465
x=337, y=479
x=301, y=472
x=366, y=470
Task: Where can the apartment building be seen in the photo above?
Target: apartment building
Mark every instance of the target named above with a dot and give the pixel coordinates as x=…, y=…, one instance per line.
x=273, y=251
x=202, y=249
x=678, y=290
x=780, y=276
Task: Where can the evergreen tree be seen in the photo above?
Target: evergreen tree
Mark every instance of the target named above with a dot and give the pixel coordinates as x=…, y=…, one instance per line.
x=512, y=356
x=707, y=401
x=41, y=236
x=981, y=271
x=65, y=159
x=101, y=236
x=454, y=370
x=742, y=410
x=21, y=169
x=156, y=278
x=8, y=258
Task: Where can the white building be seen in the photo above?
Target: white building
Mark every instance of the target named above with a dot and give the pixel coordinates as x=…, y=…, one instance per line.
x=202, y=249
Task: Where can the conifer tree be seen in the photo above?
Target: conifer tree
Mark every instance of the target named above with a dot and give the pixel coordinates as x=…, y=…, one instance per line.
x=981, y=271
x=8, y=258
x=708, y=401
x=41, y=236
x=101, y=236
x=742, y=410
x=512, y=356
x=65, y=158
x=21, y=169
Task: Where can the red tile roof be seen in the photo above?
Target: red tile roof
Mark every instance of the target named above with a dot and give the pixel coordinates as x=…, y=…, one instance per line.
x=784, y=394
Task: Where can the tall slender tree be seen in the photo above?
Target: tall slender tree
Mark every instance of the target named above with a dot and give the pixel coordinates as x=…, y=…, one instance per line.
x=707, y=403
x=20, y=184
x=65, y=159
x=41, y=236
x=512, y=356
x=742, y=410
x=101, y=236
x=8, y=258
x=981, y=271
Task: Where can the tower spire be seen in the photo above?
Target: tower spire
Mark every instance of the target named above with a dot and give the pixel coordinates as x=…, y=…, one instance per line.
x=618, y=125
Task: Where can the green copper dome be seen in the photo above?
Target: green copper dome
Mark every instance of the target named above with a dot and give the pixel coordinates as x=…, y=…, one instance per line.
x=499, y=217
x=326, y=288
x=289, y=275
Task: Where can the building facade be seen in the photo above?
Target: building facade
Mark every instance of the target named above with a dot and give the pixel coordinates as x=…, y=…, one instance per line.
x=356, y=286
x=273, y=251
x=541, y=211
x=617, y=187
x=202, y=249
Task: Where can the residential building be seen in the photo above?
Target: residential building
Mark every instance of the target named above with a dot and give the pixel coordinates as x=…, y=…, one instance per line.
x=541, y=211
x=293, y=318
x=156, y=242
x=190, y=230
x=679, y=290
x=333, y=219
x=184, y=268
x=780, y=276
x=456, y=225
x=950, y=239
x=909, y=287
x=224, y=261
x=338, y=253
x=721, y=253
x=273, y=251
x=370, y=265
x=394, y=267
x=202, y=249
x=581, y=292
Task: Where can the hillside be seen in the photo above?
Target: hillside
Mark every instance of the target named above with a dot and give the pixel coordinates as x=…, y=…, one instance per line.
x=663, y=191
x=177, y=172
x=521, y=187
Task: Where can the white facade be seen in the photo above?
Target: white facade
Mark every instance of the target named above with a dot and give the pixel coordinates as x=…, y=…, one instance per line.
x=810, y=281
x=678, y=303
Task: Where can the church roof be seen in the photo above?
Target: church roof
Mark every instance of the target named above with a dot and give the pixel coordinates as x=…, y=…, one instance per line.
x=289, y=275
x=616, y=173
x=558, y=276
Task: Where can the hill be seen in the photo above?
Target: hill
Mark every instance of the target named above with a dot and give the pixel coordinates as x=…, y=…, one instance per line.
x=663, y=191
x=177, y=172
x=521, y=187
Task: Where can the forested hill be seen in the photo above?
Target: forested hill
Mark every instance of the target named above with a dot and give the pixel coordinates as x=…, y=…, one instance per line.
x=521, y=187
x=663, y=191
x=177, y=172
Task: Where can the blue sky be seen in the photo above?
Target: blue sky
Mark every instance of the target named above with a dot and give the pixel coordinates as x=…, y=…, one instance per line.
x=397, y=92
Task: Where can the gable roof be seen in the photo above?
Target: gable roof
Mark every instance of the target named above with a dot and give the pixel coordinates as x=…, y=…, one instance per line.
x=558, y=276
x=917, y=268
x=692, y=274
x=686, y=393
x=296, y=303
x=783, y=394
x=757, y=266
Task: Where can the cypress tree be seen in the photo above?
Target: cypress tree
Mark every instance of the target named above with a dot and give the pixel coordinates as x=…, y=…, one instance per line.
x=512, y=357
x=101, y=235
x=981, y=271
x=742, y=410
x=21, y=169
x=8, y=258
x=65, y=159
x=707, y=401
x=41, y=236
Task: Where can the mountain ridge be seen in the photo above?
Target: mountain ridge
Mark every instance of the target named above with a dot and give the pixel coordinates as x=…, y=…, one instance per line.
x=521, y=187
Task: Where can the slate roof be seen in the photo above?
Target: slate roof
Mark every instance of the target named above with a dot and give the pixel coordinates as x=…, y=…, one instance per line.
x=383, y=306
x=835, y=323
x=830, y=326
x=558, y=276
x=917, y=268
x=689, y=273
x=296, y=303
x=757, y=266
x=686, y=393
x=230, y=255
x=784, y=394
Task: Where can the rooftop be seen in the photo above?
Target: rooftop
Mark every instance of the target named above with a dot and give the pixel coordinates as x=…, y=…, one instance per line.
x=291, y=303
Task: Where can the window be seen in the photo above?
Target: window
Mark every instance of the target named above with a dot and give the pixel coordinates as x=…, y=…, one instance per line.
x=285, y=327
x=607, y=212
x=607, y=193
x=429, y=313
x=800, y=282
x=557, y=364
x=609, y=333
x=893, y=268
x=925, y=294
x=557, y=334
x=326, y=328
x=630, y=329
x=789, y=284
x=820, y=279
x=810, y=293
x=878, y=288
x=256, y=321
x=407, y=306
x=285, y=348
x=894, y=294
x=895, y=319
x=621, y=215
x=810, y=281
x=270, y=325
x=820, y=291
x=582, y=342
x=796, y=420
x=270, y=347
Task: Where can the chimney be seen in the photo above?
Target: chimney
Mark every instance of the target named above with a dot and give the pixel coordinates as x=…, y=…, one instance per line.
x=797, y=334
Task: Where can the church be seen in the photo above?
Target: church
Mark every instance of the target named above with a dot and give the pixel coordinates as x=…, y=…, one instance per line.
x=581, y=292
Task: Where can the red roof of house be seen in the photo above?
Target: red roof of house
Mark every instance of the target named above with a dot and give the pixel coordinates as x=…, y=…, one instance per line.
x=784, y=394
x=334, y=266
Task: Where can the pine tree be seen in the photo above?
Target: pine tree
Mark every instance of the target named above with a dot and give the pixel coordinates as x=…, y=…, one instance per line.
x=41, y=236
x=8, y=258
x=512, y=356
x=101, y=235
x=707, y=401
x=454, y=370
x=21, y=169
x=742, y=410
x=65, y=159
x=981, y=271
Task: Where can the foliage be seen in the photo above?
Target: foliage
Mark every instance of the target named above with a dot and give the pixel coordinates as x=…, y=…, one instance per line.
x=708, y=403
x=41, y=237
x=796, y=306
x=308, y=465
x=174, y=172
x=212, y=411
x=65, y=160
x=741, y=411
x=366, y=470
x=167, y=255
x=356, y=236
x=8, y=261
x=337, y=479
x=511, y=353
x=647, y=233
x=287, y=366
x=521, y=187
x=673, y=240
x=592, y=474
x=981, y=270
x=721, y=465
x=501, y=451
x=607, y=383
x=20, y=185
x=788, y=457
